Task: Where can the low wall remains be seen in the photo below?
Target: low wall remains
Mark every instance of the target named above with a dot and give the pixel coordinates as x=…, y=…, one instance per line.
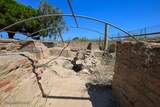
x=136, y=82
x=36, y=47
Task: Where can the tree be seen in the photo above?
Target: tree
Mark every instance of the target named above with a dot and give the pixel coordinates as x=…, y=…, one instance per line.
x=76, y=38
x=12, y=11
x=54, y=21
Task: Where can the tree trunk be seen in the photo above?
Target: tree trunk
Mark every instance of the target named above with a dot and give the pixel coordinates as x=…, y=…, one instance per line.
x=11, y=35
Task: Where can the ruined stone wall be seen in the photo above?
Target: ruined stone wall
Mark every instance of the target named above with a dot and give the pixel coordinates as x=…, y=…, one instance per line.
x=17, y=81
x=136, y=82
x=21, y=82
x=83, y=45
x=35, y=47
x=49, y=44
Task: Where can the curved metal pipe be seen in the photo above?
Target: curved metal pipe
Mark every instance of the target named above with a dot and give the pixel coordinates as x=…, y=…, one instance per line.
x=68, y=27
x=64, y=27
x=86, y=17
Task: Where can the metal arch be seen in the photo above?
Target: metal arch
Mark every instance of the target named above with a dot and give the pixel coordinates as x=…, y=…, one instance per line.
x=86, y=17
x=64, y=27
x=69, y=27
x=49, y=15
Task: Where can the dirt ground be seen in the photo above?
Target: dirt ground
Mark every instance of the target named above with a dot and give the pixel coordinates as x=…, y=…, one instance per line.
x=70, y=89
x=59, y=84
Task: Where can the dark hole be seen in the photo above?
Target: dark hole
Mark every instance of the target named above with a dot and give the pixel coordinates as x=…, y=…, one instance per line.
x=77, y=67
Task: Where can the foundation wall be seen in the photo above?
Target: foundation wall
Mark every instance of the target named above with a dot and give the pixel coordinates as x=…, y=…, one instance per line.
x=136, y=82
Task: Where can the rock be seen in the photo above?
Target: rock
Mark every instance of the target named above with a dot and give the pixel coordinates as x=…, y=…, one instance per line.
x=79, y=62
x=81, y=55
x=57, y=50
x=88, y=62
x=11, y=47
x=2, y=47
x=85, y=60
x=74, y=49
x=67, y=65
x=89, y=47
x=88, y=51
x=85, y=71
x=92, y=70
x=8, y=47
x=98, y=53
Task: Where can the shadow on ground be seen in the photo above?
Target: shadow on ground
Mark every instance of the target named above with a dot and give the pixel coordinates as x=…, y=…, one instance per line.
x=99, y=95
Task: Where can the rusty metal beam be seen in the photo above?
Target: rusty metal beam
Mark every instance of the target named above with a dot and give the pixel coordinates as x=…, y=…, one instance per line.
x=69, y=3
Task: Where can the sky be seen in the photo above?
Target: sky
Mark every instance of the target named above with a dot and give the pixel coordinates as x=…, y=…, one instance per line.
x=126, y=14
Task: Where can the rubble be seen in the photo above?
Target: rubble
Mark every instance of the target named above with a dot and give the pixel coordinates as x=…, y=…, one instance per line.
x=85, y=59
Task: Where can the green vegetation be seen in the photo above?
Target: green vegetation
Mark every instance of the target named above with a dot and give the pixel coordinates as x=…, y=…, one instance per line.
x=146, y=39
x=100, y=43
x=11, y=11
x=56, y=21
x=82, y=39
x=143, y=38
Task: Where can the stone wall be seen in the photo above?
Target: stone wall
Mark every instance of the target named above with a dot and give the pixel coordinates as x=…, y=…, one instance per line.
x=136, y=82
x=35, y=47
x=49, y=44
x=17, y=80
x=22, y=84
x=83, y=45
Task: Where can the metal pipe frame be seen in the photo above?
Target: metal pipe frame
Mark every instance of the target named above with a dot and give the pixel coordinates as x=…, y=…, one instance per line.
x=80, y=16
x=69, y=3
x=68, y=27
x=155, y=33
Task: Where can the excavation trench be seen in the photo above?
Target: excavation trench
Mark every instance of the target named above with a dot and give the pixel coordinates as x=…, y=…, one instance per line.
x=83, y=78
x=83, y=81
x=28, y=80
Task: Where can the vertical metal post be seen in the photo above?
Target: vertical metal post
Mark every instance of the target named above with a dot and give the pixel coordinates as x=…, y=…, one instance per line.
x=105, y=46
x=145, y=32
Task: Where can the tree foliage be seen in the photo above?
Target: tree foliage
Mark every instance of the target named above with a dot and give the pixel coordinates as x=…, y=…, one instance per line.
x=54, y=21
x=11, y=11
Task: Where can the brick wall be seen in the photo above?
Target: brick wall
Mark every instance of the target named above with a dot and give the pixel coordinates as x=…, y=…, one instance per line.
x=136, y=82
x=20, y=81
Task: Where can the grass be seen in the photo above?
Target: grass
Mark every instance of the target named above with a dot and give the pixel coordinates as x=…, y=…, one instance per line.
x=146, y=39
x=143, y=38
